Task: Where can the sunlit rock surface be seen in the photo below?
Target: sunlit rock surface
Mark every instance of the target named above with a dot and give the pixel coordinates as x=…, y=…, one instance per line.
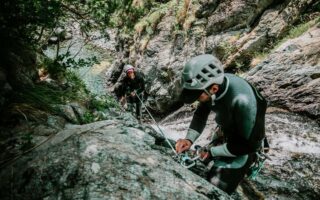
x=110, y=159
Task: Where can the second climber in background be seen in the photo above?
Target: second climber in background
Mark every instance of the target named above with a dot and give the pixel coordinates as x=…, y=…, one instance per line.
x=131, y=90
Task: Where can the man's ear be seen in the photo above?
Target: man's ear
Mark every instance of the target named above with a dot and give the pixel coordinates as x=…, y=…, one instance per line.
x=214, y=89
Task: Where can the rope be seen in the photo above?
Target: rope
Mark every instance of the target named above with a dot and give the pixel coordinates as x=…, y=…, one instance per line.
x=167, y=140
x=4, y=163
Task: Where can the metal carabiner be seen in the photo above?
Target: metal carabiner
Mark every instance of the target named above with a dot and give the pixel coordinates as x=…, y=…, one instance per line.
x=188, y=162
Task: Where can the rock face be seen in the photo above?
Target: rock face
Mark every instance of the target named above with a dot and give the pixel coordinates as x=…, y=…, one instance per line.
x=273, y=23
x=233, y=30
x=290, y=76
x=103, y=160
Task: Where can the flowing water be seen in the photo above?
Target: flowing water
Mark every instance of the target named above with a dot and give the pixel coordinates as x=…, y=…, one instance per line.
x=93, y=75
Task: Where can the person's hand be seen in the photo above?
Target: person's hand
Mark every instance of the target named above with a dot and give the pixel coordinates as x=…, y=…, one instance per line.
x=133, y=94
x=204, y=154
x=183, y=145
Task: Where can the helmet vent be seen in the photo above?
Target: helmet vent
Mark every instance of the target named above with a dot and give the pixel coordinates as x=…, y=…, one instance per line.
x=205, y=71
x=210, y=75
x=198, y=77
x=219, y=71
x=189, y=81
x=212, y=66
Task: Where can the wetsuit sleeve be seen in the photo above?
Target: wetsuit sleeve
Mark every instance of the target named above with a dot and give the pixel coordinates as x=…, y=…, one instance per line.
x=198, y=122
x=141, y=84
x=244, y=117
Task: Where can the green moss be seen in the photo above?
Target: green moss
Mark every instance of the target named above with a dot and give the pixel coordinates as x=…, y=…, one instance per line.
x=225, y=49
x=88, y=117
x=298, y=31
x=149, y=23
x=292, y=33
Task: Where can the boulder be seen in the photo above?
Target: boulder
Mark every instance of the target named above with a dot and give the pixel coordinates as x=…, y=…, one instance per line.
x=290, y=76
x=273, y=24
x=102, y=160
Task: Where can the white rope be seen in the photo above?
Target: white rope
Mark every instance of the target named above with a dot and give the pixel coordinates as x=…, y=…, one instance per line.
x=174, y=151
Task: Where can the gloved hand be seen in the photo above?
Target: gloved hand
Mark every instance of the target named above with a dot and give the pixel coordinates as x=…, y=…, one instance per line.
x=183, y=145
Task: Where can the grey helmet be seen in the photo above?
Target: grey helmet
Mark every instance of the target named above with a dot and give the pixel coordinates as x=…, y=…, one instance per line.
x=198, y=74
x=128, y=67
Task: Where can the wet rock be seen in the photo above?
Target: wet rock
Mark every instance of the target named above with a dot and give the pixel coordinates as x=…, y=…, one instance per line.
x=68, y=36
x=292, y=171
x=235, y=14
x=42, y=130
x=206, y=8
x=101, y=160
x=56, y=122
x=67, y=112
x=79, y=110
x=289, y=77
x=273, y=24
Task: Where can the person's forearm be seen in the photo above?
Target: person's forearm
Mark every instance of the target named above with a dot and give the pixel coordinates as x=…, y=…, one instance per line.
x=221, y=150
x=192, y=135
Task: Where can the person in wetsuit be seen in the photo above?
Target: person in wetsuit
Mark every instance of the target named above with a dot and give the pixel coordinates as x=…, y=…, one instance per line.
x=240, y=116
x=132, y=85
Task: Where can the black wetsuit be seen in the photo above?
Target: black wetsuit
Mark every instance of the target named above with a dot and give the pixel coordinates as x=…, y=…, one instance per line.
x=240, y=114
x=137, y=85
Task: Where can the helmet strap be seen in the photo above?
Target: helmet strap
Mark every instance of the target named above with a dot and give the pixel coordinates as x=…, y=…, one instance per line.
x=213, y=98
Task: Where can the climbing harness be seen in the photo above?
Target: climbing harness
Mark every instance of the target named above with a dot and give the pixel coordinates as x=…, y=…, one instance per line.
x=257, y=165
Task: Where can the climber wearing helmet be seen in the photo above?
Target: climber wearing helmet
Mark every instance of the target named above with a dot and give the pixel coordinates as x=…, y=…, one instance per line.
x=131, y=86
x=240, y=115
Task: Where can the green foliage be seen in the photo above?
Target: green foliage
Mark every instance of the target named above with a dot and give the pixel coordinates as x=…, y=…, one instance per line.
x=297, y=31
x=302, y=28
x=225, y=49
x=44, y=96
x=26, y=141
x=76, y=86
x=88, y=117
x=292, y=33
x=26, y=20
x=19, y=18
x=67, y=60
x=40, y=96
x=101, y=103
x=150, y=22
x=99, y=106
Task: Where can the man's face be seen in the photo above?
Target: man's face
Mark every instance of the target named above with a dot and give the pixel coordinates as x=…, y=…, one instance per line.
x=131, y=75
x=204, y=97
